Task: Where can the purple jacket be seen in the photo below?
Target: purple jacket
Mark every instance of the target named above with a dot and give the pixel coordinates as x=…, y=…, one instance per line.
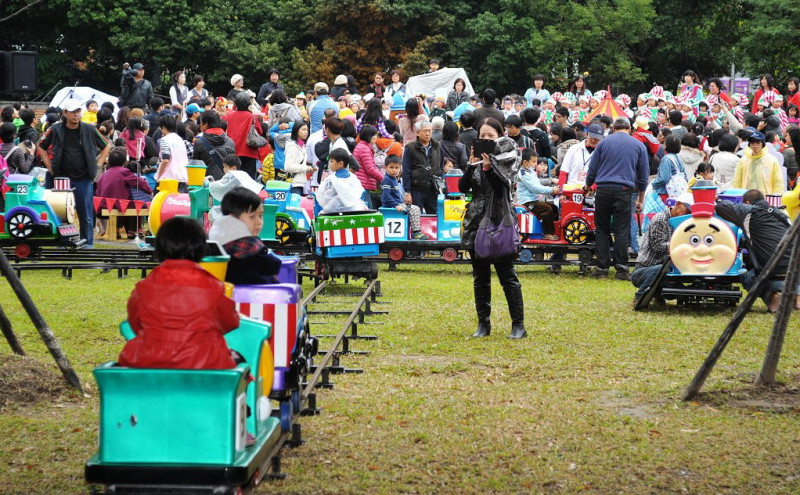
x=117, y=182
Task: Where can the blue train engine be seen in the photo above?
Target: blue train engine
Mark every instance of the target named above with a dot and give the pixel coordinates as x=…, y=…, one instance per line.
x=36, y=216
x=293, y=222
x=705, y=264
x=442, y=229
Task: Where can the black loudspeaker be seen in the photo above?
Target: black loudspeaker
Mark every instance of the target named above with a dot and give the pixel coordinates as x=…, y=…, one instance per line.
x=19, y=72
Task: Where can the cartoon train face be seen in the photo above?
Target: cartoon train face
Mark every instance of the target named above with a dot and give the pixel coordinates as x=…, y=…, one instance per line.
x=703, y=246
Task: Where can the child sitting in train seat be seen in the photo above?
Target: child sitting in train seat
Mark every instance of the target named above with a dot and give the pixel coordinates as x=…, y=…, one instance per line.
x=180, y=312
x=704, y=171
x=392, y=195
x=534, y=195
x=341, y=191
x=119, y=182
x=238, y=231
x=233, y=178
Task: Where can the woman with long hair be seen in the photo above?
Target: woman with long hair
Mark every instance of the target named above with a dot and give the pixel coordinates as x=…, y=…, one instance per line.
x=179, y=93
x=374, y=116
x=767, y=84
x=792, y=92
x=490, y=179
x=295, y=158
x=405, y=124
x=578, y=87
x=690, y=87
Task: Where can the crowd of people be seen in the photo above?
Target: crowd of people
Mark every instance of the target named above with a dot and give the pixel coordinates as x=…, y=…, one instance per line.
x=343, y=139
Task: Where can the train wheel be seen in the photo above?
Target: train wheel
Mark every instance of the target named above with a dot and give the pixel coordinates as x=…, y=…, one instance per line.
x=585, y=256
x=20, y=225
x=526, y=255
x=576, y=231
x=22, y=251
x=449, y=255
x=537, y=255
x=282, y=227
x=396, y=254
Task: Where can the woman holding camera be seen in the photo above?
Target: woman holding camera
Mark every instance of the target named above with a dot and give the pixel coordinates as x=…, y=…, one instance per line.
x=489, y=176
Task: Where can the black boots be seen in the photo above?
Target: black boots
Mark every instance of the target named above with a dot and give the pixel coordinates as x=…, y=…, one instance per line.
x=484, y=329
x=483, y=306
x=516, y=308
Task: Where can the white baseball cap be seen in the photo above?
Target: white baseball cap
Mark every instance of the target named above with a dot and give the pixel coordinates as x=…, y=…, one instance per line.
x=71, y=105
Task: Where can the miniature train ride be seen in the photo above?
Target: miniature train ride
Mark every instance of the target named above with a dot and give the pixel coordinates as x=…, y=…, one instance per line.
x=36, y=217
x=706, y=262
x=208, y=431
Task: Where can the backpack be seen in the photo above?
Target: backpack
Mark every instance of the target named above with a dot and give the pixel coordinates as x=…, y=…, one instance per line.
x=380, y=158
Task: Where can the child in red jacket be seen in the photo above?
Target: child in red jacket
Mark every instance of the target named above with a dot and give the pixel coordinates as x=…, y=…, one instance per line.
x=180, y=312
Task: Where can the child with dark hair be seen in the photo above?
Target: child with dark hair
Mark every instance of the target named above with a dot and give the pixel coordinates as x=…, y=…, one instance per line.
x=238, y=231
x=118, y=182
x=534, y=194
x=392, y=196
x=341, y=191
x=180, y=313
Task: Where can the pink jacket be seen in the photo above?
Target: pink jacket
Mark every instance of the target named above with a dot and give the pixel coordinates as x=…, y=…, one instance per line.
x=368, y=173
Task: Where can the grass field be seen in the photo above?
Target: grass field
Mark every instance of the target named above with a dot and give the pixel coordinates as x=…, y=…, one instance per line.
x=590, y=402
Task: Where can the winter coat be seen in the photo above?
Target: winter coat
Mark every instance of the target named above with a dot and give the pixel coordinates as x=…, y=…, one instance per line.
x=117, y=182
x=222, y=146
x=368, y=172
x=179, y=314
x=281, y=110
x=691, y=158
x=456, y=152
x=724, y=164
x=294, y=162
x=239, y=123
x=251, y=263
x=493, y=185
x=455, y=99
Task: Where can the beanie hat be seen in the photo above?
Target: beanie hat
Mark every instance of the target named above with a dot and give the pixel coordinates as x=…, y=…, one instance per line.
x=657, y=91
x=340, y=80
x=236, y=77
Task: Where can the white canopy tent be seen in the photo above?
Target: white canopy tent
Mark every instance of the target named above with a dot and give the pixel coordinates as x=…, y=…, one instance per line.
x=438, y=83
x=83, y=94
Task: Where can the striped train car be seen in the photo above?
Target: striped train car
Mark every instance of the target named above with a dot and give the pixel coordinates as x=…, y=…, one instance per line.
x=342, y=240
x=291, y=343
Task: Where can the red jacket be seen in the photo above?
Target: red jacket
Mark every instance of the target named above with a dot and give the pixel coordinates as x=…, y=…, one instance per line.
x=648, y=140
x=368, y=172
x=179, y=314
x=239, y=123
x=757, y=96
x=117, y=182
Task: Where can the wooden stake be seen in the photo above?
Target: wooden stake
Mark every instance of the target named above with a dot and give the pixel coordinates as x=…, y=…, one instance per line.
x=770, y=367
x=44, y=330
x=8, y=333
x=761, y=282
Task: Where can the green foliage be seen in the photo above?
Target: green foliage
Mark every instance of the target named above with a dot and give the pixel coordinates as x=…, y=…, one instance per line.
x=770, y=39
x=629, y=44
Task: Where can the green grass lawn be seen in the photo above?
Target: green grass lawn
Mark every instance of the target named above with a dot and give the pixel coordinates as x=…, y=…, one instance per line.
x=589, y=402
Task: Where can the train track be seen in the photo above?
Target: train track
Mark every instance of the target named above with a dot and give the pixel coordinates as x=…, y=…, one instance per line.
x=329, y=363
x=68, y=260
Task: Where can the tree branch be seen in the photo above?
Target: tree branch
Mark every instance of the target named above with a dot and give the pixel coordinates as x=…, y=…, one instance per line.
x=20, y=11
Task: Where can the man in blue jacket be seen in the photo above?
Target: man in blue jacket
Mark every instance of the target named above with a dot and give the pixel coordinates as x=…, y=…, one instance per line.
x=619, y=167
x=322, y=102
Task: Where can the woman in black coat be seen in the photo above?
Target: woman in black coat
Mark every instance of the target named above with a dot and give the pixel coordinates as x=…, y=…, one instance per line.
x=490, y=179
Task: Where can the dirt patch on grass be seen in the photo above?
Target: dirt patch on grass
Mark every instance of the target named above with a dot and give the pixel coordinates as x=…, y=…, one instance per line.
x=777, y=398
x=26, y=381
